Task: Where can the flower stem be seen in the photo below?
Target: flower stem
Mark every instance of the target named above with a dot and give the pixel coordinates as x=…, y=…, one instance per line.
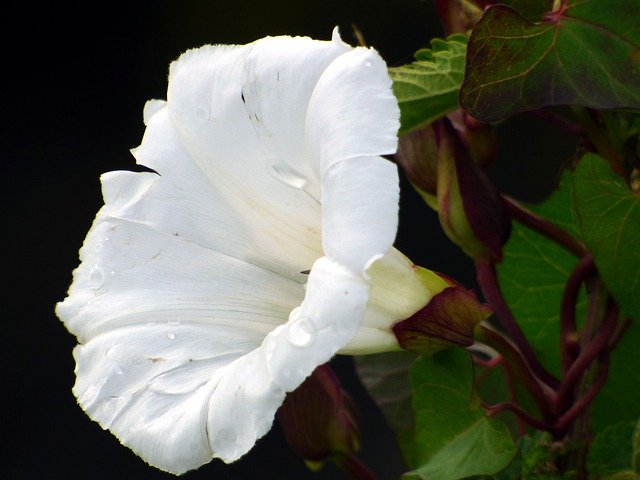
x=596, y=347
x=542, y=394
x=543, y=226
x=569, y=343
x=585, y=400
x=488, y=281
x=493, y=410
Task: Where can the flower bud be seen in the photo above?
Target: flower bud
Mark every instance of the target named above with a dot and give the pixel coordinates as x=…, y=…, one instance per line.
x=471, y=212
x=417, y=156
x=459, y=16
x=319, y=420
x=479, y=138
x=448, y=320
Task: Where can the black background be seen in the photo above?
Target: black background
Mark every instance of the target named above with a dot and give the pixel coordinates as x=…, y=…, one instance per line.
x=78, y=76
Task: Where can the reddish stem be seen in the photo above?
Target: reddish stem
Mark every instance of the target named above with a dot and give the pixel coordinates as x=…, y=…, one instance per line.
x=493, y=410
x=513, y=395
x=586, y=357
x=488, y=281
x=543, y=395
x=544, y=227
x=583, y=402
x=569, y=344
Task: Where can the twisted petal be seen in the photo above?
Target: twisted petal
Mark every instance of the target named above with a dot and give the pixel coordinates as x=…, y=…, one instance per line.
x=189, y=303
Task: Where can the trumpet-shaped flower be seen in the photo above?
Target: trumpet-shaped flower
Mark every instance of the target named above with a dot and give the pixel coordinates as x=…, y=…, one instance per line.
x=192, y=304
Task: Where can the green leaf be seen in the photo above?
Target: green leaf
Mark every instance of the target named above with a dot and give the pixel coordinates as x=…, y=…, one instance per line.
x=635, y=460
x=608, y=213
x=619, y=400
x=428, y=88
x=453, y=438
x=611, y=450
x=588, y=54
x=533, y=274
x=386, y=378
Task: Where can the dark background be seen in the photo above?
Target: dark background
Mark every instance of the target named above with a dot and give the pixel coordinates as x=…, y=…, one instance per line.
x=78, y=76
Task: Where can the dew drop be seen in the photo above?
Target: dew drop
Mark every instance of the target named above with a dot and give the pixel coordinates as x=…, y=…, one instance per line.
x=301, y=332
x=98, y=245
x=367, y=63
x=171, y=335
x=118, y=370
x=113, y=271
x=95, y=277
x=286, y=175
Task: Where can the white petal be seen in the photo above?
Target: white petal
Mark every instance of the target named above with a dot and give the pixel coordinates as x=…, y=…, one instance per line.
x=132, y=274
x=352, y=112
x=396, y=293
x=221, y=215
x=240, y=112
x=150, y=385
x=252, y=388
x=359, y=210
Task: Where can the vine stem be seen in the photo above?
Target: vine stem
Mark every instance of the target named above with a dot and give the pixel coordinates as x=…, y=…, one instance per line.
x=488, y=281
x=596, y=347
x=569, y=343
x=493, y=410
x=585, y=400
x=543, y=226
x=543, y=395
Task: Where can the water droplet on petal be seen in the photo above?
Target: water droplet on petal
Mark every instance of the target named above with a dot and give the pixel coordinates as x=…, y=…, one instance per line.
x=367, y=63
x=288, y=176
x=118, y=370
x=96, y=278
x=301, y=332
x=113, y=271
x=171, y=335
x=98, y=245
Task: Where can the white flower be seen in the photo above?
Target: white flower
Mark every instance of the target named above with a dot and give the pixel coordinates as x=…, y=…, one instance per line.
x=190, y=306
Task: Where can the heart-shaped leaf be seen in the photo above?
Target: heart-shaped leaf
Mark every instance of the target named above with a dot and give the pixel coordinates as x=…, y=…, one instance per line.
x=453, y=438
x=587, y=53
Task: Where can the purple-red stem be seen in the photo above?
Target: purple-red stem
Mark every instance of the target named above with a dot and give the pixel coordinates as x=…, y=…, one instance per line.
x=543, y=395
x=596, y=347
x=488, y=281
x=493, y=410
x=543, y=226
x=584, y=401
x=569, y=344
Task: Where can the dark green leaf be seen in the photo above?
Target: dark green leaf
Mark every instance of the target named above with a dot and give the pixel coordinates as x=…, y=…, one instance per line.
x=608, y=213
x=533, y=274
x=386, y=378
x=453, y=438
x=587, y=55
x=428, y=88
x=619, y=400
x=636, y=448
x=611, y=450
